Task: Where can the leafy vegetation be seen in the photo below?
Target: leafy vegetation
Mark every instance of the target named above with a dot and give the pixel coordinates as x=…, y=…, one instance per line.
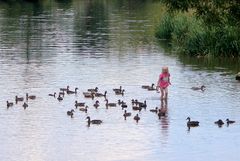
x=208, y=28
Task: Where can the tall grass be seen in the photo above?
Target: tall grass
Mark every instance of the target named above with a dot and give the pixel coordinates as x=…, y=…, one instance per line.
x=191, y=36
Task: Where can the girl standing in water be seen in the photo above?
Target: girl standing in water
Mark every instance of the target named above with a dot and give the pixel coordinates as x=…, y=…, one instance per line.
x=163, y=83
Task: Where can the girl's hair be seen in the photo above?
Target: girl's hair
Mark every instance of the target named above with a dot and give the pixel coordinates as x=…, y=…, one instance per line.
x=164, y=69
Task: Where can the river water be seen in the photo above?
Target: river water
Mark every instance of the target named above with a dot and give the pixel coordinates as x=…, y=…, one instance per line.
x=48, y=45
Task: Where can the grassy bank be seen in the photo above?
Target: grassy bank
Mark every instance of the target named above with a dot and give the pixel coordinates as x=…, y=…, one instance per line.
x=191, y=36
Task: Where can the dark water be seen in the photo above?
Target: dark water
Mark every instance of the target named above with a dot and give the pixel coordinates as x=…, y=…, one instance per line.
x=48, y=45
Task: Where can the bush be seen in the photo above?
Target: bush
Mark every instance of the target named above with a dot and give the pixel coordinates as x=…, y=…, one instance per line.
x=191, y=36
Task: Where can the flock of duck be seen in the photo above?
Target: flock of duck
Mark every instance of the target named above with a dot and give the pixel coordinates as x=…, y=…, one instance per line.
x=94, y=93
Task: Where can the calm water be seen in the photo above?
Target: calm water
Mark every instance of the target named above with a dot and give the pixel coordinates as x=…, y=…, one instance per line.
x=85, y=44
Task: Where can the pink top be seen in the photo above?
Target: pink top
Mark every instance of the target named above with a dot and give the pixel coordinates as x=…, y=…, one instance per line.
x=164, y=80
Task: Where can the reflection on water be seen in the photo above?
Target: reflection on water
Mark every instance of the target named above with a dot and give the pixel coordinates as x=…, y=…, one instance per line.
x=84, y=44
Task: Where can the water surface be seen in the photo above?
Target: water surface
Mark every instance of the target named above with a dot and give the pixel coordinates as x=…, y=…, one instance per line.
x=84, y=44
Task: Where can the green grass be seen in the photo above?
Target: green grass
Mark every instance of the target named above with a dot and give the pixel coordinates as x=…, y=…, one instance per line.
x=191, y=36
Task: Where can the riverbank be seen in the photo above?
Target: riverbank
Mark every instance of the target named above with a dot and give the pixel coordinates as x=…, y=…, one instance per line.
x=190, y=35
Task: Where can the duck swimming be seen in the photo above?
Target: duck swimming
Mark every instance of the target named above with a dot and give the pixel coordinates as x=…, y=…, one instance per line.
x=18, y=99
x=98, y=122
x=64, y=89
x=96, y=104
x=9, y=104
x=154, y=110
x=25, y=105
x=70, y=113
x=192, y=123
x=147, y=86
x=93, y=90
x=110, y=104
x=79, y=104
x=52, y=95
x=219, y=122
x=84, y=109
x=32, y=97
x=72, y=92
x=230, y=121
x=101, y=95
x=59, y=98
x=202, y=88
x=137, y=118
x=126, y=114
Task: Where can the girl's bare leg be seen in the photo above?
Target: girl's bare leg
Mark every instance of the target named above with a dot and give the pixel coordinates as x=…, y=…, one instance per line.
x=162, y=93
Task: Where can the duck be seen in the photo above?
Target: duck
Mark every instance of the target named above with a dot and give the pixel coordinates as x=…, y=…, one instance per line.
x=93, y=89
x=219, y=122
x=162, y=112
x=117, y=89
x=96, y=104
x=18, y=99
x=151, y=88
x=143, y=105
x=70, y=113
x=52, y=95
x=72, y=92
x=120, y=92
x=124, y=105
x=110, y=104
x=202, y=88
x=64, y=89
x=134, y=101
x=84, y=109
x=147, y=86
x=154, y=110
x=101, y=94
x=192, y=123
x=137, y=108
x=121, y=102
x=137, y=118
x=9, y=104
x=79, y=104
x=25, y=105
x=126, y=114
x=88, y=95
x=230, y=121
x=98, y=122
x=32, y=97
x=60, y=98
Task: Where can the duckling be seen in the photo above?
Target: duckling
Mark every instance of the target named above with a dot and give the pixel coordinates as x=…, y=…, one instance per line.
x=84, y=109
x=147, y=86
x=25, y=105
x=96, y=104
x=110, y=104
x=60, y=98
x=93, y=121
x=154, y=110
x=70, y=113
x=192, y=123
x=80, y=104
x=219, y=122
x=32, y=97
x=93, y=90
x=101, y=95
x=230, y=121
x=117, y=89
x=9, y=104
x=64, y=89
x=52, y=95
x=137, y=118
x=18, y=99
x=126, y=114
x=72, y=92
x=202, y=88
